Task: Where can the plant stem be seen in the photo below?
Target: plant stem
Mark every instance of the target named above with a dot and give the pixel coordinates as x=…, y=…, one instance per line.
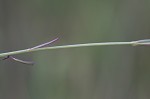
x=132, y=43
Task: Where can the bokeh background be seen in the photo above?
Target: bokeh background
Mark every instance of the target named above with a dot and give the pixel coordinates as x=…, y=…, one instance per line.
x=107, y=72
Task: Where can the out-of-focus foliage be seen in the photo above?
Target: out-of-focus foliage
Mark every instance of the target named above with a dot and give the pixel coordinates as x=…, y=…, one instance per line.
x=119, y=72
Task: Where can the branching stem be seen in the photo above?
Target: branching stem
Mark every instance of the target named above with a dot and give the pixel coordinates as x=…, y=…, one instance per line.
x=132, y=43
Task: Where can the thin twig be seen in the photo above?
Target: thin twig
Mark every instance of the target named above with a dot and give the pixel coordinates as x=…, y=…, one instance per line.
x=22, y=61
x=44, y=44
x=132, y=43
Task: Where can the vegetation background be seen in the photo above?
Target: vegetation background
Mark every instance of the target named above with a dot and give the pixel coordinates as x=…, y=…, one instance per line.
x=107, y=72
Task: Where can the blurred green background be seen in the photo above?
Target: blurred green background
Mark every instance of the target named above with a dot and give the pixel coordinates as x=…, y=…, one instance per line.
x=111, y=72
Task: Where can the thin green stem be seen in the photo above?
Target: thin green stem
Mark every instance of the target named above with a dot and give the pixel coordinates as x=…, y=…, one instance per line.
x=132, y=43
